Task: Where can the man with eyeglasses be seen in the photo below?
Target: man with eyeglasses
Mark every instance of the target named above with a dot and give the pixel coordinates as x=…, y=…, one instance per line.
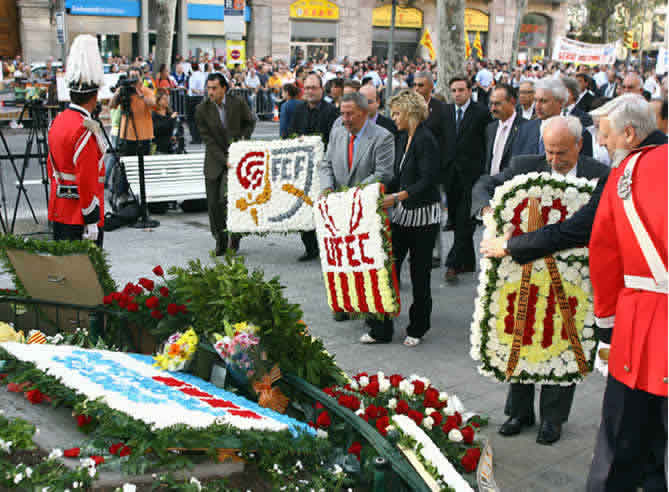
x=632, y=84
x=313, y=116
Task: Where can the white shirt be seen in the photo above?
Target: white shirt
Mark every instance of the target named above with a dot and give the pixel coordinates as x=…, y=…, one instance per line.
x=252, y=82
x=527, y=113
x=502, y=135
x=197, y=83
x=601, y=78
x=463, y=108
x=484, y=78
x=571, y=173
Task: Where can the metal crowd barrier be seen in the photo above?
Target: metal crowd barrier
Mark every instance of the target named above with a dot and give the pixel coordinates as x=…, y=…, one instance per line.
x=260, y=101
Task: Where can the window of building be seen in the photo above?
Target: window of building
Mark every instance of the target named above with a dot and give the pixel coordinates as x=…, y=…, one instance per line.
x=109, y=45
x=312, y=40
x=535, y=36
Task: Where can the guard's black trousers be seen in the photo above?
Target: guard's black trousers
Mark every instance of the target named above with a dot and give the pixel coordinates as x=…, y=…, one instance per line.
x=72, y=232
x=631, y=449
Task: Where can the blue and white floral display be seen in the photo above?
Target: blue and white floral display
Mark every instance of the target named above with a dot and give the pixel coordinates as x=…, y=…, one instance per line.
x=130, y=384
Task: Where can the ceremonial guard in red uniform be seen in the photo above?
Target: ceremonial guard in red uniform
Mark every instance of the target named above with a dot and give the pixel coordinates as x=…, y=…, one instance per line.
x=76, y=151
x=628, y=267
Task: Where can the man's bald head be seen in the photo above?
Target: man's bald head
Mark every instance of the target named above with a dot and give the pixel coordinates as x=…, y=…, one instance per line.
x=369, y=92
x=632, y=84
x=562, y=141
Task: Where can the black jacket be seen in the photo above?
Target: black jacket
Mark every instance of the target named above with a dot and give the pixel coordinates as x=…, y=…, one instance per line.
x=573, y=232
x=387, y=123
x=317, y=121
x=584, y=118
x=465, y=150
x=484, y=189
x=436, y=123
x=420, y=171
x=491, y=133
x=585, y=104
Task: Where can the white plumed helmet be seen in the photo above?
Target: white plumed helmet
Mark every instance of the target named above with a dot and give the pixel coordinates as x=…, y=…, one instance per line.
x=84, y=72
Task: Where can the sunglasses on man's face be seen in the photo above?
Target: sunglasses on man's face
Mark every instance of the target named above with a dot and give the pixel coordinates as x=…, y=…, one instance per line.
x=419, y=84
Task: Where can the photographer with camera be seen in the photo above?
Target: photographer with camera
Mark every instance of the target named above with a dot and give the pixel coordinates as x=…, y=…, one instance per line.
x=166, y=124
x=136, y=101
x=76, y=148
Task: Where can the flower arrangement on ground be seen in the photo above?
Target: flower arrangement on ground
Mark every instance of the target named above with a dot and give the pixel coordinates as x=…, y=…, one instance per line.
x=449, y=440
x=356, y=253
x=552, y=296
x=177, y=351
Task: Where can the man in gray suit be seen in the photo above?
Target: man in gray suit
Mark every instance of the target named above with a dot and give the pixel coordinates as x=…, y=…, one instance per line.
x=359, y=152
x=562, y=140
x=562, y=158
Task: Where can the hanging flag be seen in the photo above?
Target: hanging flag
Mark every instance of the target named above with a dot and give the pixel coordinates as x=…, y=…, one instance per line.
x=426, y=40
x=468, y=47
x=477, y=45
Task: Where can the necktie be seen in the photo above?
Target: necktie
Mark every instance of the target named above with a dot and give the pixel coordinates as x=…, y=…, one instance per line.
x=350, y=151
x=458, y=119
x=542, y=149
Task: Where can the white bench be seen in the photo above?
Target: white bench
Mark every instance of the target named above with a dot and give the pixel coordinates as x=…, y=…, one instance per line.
x=168, y=178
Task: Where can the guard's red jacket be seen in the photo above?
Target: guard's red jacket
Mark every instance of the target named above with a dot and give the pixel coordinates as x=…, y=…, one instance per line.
x=76, y=162
x=618, y=268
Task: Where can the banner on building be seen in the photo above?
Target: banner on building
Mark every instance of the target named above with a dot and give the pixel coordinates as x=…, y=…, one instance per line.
x=662, y=61
x=426, y=41
x=570, y=51
x=235, y=53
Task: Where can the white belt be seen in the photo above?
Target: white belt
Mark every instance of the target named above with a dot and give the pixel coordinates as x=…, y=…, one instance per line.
x=69, y=177
x=646, y=283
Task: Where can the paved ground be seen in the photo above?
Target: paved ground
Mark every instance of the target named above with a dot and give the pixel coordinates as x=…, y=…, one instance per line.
x=520, y=463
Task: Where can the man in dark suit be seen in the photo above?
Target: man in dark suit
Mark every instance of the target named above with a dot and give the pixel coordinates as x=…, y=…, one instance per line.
x=437, y=124
x=551, y=95
x=584, y=98
x=525, y=106
x=608, y=90
x=314, y=116
x=572, y=108
x=562, y=137
x=372, y=96
x=465, y=155
x=501, y=133
x=221, y=119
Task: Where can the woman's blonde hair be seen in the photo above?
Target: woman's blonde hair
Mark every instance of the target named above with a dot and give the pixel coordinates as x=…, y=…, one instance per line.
x=411, y=103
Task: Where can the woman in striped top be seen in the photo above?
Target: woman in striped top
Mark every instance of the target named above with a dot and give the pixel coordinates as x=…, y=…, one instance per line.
x=413, y=203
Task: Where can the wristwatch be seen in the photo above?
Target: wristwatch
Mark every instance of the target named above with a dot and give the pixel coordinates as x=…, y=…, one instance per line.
x=396, y=197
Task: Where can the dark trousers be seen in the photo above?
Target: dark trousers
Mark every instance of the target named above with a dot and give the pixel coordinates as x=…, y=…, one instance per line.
x=632, y=441
x=217, y=204
x=193, y=101
x=310, y=242
x=554, y=403
x=459, y=196
x=73, y=232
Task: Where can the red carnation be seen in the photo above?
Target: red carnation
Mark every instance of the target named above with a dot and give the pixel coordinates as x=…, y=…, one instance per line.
x=468, y=434
x=395, y=380
x=129, y=288
x=164, y=291
x=125, y=451
x=458, y=418
x=436, y=416
x=152, y=302
x=182, y=309
x=18, y=388
x=318, y=405
x=83, y=420
x=402, y=407
x=471, y=459
x=107, y=300
x=114, y=448
x=133, y=307
x=372, y=389
x=418, y=387
x=323, y=420
x=98, y=459
x=382, y=411
x=157, y=315
x=311, y=424
x=36, y=396
x=72, y=452
x=451, y=423
x=416, y=416
x=355, y=449
x=372, y=412
x=146, y=283
x=115, y=296
x=158, y=270
x=358, y=376
x=138, y=290
x=329, y=392
x=431, y=398
x=3, y=376
x=381, y=425
x=172, y=309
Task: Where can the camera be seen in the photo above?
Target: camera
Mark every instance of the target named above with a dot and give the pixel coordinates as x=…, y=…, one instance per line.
x=126, y=86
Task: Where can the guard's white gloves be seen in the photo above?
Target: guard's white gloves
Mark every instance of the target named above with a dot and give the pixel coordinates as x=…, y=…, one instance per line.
x=600, y=364
x=91, y=232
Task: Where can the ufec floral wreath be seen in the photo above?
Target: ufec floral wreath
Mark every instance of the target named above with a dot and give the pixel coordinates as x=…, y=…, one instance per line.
x=545, y=355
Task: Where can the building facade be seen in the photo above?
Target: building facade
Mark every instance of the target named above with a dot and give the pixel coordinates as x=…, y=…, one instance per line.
x=292, y=29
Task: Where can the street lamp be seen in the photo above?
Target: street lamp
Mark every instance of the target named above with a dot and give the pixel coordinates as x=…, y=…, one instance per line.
x=391, y=56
